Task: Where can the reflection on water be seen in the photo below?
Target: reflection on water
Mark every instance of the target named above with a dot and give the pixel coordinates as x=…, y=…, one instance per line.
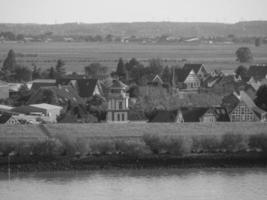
x=156, y=184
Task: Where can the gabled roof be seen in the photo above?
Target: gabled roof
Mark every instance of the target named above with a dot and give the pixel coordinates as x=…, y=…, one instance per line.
x=37, y=85
x=85, y=87
x=258, y=72
x=181, y=74
x=46, y=106
x=193, y=114
x=118, y=84
x=157, y=79
x=195, y=67
x=60, y=95
x=233, y=100
x=164, y=116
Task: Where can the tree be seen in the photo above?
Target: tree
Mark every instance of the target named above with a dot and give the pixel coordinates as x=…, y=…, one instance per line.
x=36, y=72
x=60, y=69
x=261, y=97
x=51, y=73
x=244, y=55
x=96, y=71
x=23, y=95
x=258, y=42
x=167, y=75
x=23, y=74
x=10, y=62
x=242, y=71
x=121, y=69
x=155, y=67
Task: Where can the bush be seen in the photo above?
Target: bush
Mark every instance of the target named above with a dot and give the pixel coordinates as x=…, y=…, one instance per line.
x=102, y=147
x=205, y=143
x=154, y=142
x=50, y=147
x=175, y=145
x=258, y=141
x=131, y=148
x=234, y=142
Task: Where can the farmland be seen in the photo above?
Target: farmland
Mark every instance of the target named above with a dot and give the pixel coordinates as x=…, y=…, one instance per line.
x=77, y=55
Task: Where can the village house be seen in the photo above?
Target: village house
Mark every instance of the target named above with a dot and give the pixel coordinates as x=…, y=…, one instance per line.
x=191, y=114
x=86, y=88
x=118, y=102
x=257, y=75
x=241, y=108
x=8, y=119
x=39, y=83
x=46, y=112
x=199, y=69
x=56, y=95
x=187, y=79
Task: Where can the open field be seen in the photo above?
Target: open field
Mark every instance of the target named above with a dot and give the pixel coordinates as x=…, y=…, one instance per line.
x=78, y=55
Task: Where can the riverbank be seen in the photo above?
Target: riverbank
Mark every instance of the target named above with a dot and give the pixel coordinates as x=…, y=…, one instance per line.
x=32, y=164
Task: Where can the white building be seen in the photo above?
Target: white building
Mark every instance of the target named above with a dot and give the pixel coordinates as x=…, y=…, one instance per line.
x=118, y=103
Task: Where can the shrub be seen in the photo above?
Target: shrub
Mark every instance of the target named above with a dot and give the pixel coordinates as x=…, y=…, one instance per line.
x=154, y=142
x=175, y=145
x=206, y=143
x=131, y=148
x=234, y=142
x=258, y=141
x=50, y=147
x=102, y=147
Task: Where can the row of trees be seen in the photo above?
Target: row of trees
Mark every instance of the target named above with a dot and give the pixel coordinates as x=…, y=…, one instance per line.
x=11, y=71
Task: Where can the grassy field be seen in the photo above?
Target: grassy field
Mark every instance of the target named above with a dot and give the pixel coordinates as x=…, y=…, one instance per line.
x=78, y=55
x=130, y=130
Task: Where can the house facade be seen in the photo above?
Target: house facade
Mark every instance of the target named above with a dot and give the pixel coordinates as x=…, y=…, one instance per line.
x=118, y=103
x=244, y=109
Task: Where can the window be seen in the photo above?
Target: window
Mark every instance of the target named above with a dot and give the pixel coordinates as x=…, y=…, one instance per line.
x=122, y=117
x=113, y=116
x=119, y=117
x=120, y=105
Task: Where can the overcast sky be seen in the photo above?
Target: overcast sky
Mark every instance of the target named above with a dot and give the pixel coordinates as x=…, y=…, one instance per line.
x=96, y=11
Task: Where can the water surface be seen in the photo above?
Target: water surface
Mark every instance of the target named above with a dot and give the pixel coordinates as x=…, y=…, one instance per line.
x=156, y=184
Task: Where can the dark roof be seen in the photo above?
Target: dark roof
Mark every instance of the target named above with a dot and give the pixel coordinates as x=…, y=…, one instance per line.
x=38, y=85
x=61, y=95
x=4, y=118
x=164, y=116
x=86, y=87
x=118, y=84
x=258, y=72
x=181, y=74
x=25, y=109
x=193, y=114
x=195, y=67
x=230, y=102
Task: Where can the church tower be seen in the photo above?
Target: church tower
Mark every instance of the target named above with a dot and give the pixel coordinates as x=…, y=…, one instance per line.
x=118, y=102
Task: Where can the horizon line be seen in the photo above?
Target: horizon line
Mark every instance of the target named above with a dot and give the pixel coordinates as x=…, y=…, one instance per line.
x=132, y=22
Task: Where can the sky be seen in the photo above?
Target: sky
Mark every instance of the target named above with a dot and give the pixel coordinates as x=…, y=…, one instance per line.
x=99, y=11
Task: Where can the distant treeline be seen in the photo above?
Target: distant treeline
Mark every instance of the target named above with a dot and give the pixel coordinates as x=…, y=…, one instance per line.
x=154, y=32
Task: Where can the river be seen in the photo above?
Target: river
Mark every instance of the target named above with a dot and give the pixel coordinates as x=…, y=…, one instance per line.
x=154, y=184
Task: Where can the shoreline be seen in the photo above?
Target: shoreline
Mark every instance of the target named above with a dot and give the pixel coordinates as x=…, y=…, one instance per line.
x=38, y=164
